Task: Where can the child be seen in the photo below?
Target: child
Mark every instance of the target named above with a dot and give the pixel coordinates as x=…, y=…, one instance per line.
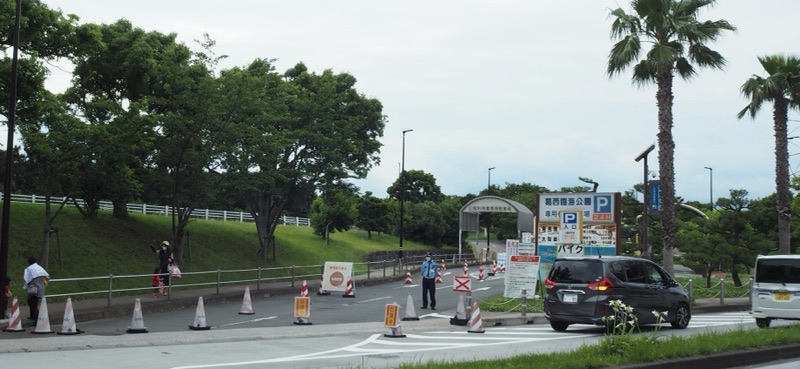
x=157, y=283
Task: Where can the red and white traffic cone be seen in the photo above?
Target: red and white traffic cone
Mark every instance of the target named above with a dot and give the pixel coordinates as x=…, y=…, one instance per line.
x=461, y=313
x=349, y=292
x=304, y=289
x=137, y=321
x=199, y=323
x=43, y=323
x=466, y=268
x=321, y=291
x=408, y=276
x=494, y=269
x=247, y=304
x=15, y=322
x=502, y=268
x=411, y=312
x=480, y=273
x=444, y=266
x=69, y=326
x=475, y=323
x=438, y=277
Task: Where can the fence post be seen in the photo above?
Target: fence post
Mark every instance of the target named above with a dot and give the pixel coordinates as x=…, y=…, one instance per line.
x=750, y=295
x=690, y=291
x=368, y=269
x=110, y=288
x=258, y=279
x=722, y=291
x=293, y=274
x=219, y=279
x=523, y=302
x=383, y=266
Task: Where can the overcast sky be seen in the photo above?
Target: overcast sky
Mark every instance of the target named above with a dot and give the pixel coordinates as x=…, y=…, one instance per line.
x=515, y=85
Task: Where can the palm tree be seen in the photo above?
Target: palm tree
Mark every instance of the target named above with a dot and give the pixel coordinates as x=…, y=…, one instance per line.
x=781, y=88
x=678, y=40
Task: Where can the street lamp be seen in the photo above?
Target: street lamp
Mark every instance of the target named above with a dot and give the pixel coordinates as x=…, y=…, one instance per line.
x=489, y=218
x=402, y=192
x=710, y=187
x=588, y=180
x=645, y=220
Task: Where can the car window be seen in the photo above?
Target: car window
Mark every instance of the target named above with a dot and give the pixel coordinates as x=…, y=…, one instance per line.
x=576, y=271
x=654, y=276
x=618, y=270
x=778, y=271
x=635, y=272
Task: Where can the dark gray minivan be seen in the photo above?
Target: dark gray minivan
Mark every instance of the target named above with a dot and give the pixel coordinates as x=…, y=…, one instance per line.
x=579, y=289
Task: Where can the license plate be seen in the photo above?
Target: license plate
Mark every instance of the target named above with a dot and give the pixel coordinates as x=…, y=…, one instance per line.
x=570, y=298
x=781, y=296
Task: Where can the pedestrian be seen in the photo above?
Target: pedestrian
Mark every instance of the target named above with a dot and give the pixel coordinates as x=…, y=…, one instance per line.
x=428, y=271
x=7, y=284
x=157, y=284
x=164, y=260
x=35, y=280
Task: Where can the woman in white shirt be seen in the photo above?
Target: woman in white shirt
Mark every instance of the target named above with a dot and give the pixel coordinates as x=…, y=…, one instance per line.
x=35, y=279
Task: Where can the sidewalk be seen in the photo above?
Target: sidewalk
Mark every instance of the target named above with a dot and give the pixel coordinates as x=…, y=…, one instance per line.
x=99, y=308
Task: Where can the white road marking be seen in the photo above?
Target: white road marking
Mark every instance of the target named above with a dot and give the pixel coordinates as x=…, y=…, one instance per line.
x=244, y=322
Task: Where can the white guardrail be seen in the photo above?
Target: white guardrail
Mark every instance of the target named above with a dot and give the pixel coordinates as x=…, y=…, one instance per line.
x=226, y=215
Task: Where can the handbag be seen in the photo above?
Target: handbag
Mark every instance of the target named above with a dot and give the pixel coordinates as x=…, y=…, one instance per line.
x=32, y=289
x=174, y=271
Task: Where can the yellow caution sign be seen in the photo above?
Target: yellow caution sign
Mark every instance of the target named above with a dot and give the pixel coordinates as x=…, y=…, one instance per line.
x=302, y=307
x=390, y=319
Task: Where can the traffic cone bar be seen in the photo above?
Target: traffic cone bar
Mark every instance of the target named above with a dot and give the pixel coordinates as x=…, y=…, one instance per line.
x=349, y=292
x=200, y=317
x=15, y=322
x=438, y=277
x=408, y=276
x=411, y=313
x=466, y=268
x=137, y=321
x=69, y=326
x=43, y=323
x=480, y=273
x=475, y=323
x=304, y=289
x=247, y=303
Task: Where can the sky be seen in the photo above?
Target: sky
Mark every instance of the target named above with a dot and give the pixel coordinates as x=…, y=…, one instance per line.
x=518, y=86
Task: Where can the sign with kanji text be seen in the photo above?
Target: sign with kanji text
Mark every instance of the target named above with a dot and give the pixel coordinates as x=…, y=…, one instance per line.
x=302, y=307
x=570, y=227
x=390, y=318
x=462, y=283
x=335, y=275
x=522, y=273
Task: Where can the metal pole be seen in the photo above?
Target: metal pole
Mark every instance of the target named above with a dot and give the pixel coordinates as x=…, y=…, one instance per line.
x=402, y=192
x=645, y=216
x=12, y=111
x=489, y=218
x=710, y=187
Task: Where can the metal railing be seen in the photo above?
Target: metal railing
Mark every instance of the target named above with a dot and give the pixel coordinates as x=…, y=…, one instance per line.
x=225, y=215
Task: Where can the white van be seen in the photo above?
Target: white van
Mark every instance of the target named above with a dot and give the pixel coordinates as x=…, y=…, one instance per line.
x=776, y=289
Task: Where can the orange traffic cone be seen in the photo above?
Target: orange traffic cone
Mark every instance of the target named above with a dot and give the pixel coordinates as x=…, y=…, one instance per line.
x=411, y=313
x=349, y=292
x=480, y=273
x=200, y=317
x=15, y=322
x=247, y=305
x=137, y=321
x=304, y=289
x=43, y=323
x=69, y=326
x=408, y=277
x=475, y=323
x=438, y=277
x=321, y=291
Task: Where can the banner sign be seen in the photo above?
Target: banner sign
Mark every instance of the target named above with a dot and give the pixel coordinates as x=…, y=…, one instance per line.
x=522, y=273
x=594, y=207
x=302, y=307
x=335, y=275
x=390, y=317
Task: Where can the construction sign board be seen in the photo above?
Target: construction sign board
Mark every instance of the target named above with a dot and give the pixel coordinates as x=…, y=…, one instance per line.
x=390, y=318
x=522, y=273
x=335, y=275
x=462, y=283
x=302, y=307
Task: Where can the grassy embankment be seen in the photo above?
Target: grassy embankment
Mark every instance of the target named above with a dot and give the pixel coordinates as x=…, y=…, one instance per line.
x=107, y=245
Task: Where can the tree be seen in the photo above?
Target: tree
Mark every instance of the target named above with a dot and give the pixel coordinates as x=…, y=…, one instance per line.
x=333, y=211
x=419, y=187
x=782, y=88
x=373, y=214
x=678, y=39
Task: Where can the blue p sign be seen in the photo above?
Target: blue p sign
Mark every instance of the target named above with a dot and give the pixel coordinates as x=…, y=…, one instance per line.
x=602, y=204
x=569, y=218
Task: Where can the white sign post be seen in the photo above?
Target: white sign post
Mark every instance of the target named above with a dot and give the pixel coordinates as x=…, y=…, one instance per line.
x=522, y=273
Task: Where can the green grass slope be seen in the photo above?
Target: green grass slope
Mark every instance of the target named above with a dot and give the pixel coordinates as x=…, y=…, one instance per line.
x=107, y=245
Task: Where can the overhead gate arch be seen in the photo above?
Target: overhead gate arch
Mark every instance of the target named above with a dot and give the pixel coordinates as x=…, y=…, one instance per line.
x=470, y=214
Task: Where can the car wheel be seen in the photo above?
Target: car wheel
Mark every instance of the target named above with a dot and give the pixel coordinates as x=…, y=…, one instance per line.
x=559, y=326
x=763, y=322
x=682, y=317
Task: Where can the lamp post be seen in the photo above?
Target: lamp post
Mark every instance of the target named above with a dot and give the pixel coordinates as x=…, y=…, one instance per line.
x=489, y=218
x=710, y=187
x=402, y=192
x=645, y=220
x=589, y=181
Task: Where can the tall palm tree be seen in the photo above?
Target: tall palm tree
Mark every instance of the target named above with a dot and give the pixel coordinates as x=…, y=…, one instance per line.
x=781, y=88
x=678, y=40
